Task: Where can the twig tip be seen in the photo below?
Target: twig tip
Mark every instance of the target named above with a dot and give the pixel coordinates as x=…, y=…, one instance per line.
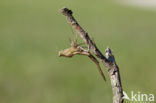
x=66, y=11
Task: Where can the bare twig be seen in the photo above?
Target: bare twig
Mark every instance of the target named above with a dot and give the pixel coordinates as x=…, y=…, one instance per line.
x=108, y=61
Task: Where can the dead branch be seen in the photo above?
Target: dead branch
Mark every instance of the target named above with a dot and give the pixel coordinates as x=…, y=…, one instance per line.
x=108, y=61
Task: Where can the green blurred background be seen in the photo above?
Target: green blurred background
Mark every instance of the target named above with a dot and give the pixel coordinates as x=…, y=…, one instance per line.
x=32, y=31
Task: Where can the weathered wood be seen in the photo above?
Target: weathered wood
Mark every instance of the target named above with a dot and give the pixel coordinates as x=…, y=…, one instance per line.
x=108, y=61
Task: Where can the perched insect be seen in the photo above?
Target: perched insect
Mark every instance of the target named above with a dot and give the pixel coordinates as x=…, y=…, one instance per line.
x=77, y=49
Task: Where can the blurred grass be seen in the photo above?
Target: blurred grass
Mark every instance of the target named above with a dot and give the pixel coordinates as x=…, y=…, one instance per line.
x=31, y=33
